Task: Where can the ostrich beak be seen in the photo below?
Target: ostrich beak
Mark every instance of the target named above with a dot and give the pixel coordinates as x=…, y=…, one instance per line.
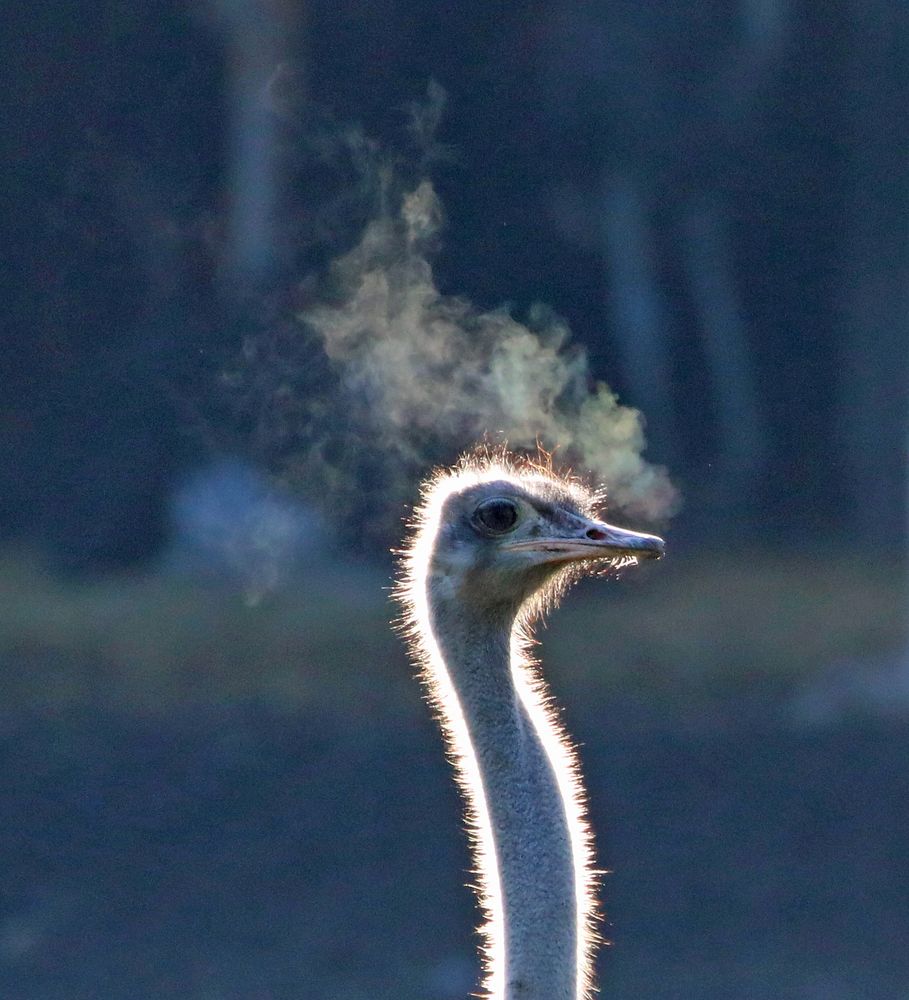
x=593, y=540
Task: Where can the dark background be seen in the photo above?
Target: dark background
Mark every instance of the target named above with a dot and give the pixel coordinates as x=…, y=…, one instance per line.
x=212, y=797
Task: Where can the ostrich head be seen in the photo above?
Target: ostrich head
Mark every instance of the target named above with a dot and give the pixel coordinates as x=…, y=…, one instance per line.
x=508, y=539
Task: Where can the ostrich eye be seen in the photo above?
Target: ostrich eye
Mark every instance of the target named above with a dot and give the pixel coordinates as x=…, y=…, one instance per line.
x=497, y=516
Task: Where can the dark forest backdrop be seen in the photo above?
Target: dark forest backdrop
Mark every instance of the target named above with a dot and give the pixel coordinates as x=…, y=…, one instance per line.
x=714, y=197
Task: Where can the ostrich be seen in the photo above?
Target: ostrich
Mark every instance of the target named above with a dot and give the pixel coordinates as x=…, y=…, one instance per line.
x=494, y=543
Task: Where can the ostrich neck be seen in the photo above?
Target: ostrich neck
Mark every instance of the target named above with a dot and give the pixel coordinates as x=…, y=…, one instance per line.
x=533, y=864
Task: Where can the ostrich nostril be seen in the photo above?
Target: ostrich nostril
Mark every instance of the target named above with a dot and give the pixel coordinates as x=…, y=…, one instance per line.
x=596, y=534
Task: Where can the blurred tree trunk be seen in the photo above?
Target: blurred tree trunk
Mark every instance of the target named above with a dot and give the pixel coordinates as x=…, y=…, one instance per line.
x=259, y=39
x=640, y=320
x=741, y=435
x=873, y=273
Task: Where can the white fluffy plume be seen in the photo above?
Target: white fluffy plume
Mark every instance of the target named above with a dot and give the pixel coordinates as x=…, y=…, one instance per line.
x=423, y=369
